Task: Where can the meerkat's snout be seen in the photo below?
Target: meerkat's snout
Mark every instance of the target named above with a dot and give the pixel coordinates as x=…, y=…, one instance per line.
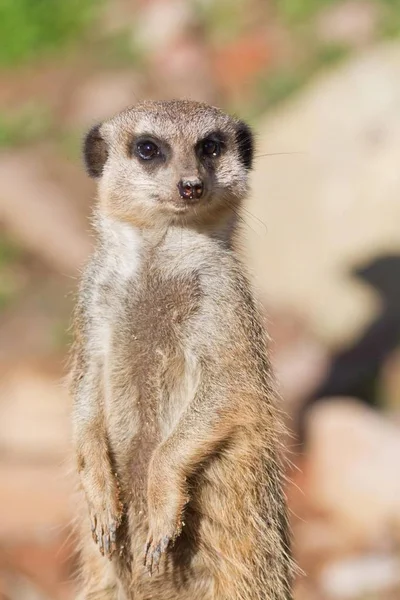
x=191, y=189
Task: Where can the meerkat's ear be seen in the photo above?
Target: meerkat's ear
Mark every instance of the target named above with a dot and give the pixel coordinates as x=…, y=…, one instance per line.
x=245, y=142
x=95, y=152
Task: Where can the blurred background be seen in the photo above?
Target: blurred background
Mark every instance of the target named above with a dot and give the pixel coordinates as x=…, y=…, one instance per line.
x=319, y=80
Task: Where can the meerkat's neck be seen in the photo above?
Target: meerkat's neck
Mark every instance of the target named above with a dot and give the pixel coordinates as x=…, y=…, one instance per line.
x=125, y=248
x=124, y=236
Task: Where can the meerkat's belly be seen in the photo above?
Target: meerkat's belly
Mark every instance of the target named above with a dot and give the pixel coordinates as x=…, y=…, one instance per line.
x=150, y=373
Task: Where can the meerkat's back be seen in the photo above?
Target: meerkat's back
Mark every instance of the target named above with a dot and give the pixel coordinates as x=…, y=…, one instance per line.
x=176, y=427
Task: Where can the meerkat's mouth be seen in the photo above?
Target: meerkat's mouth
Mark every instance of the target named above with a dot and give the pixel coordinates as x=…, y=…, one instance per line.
x=185, y=205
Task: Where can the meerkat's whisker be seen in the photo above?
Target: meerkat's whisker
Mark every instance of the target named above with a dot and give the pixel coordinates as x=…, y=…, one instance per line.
x=277, y=154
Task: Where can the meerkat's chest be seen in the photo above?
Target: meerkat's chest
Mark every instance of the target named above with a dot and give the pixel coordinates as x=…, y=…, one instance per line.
x=147, y=347
x=146, y=319
x=157, y=315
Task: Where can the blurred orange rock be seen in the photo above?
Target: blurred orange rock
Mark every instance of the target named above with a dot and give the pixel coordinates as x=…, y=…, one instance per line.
x=352, y=470
x=38, y=570
x=236, y=63
x=40, y=214
x=35, y=502
x=36, y=549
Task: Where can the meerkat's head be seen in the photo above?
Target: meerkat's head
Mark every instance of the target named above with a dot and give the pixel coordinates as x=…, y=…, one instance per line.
x=174, y=160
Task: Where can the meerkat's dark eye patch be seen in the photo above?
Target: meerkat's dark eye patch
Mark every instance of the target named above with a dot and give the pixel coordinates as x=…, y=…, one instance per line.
x=95, y=152
x=211, y=146
x=245, y=143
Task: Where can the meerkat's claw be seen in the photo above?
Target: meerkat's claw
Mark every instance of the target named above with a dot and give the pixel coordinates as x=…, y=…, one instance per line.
x=107, y=545
x=154, y=551
x=104, y=533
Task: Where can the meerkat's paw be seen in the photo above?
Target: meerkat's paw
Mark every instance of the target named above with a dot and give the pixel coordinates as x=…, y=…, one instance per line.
x=102, y=494
x=166, y=499
x=155, y=547
x=104, y=523
x=160, y=537
x=165, y=525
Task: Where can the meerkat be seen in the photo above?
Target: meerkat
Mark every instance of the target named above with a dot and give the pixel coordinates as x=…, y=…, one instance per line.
x=176, y=423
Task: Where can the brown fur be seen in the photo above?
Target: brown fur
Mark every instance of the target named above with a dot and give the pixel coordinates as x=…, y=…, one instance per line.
x=176, y=428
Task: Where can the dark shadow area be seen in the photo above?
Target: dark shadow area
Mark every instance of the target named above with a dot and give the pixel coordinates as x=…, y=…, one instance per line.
x=356, y=370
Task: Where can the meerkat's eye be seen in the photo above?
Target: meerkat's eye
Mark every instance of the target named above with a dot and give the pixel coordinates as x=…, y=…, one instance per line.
x=210, y=148
x=147, y=150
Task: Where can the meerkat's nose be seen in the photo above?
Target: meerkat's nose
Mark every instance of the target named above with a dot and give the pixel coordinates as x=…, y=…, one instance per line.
x=190, y=189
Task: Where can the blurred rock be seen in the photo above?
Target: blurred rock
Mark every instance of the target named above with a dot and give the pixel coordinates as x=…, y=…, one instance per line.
x=38, y=569
x=161, y=23
x=35, y=502
x=300, y=361
x=36, y=492
x=39, y=214
x=103, y=95
x=337, y=202
x=182, y=70
x=351, y=23
x=317, y=541
x=36, y=326
x=360, y=577
x=305, y=590
x=352, y=471
x=176, y=52
x=17, y=587
x=33, y=415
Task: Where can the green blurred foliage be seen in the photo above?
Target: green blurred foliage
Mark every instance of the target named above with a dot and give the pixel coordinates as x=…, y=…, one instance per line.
x=69, y=144
x=299, y=14
x=279, y=84
x=10, y=251
x=27, y=125
x=10, y=255
x=30, y=29
x=61, y=335
x=390, y=26
x=298, y=10
x=223, y=20
x=118, y=49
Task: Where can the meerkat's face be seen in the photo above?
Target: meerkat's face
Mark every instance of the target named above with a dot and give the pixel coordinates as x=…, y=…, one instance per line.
x=172, y=160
